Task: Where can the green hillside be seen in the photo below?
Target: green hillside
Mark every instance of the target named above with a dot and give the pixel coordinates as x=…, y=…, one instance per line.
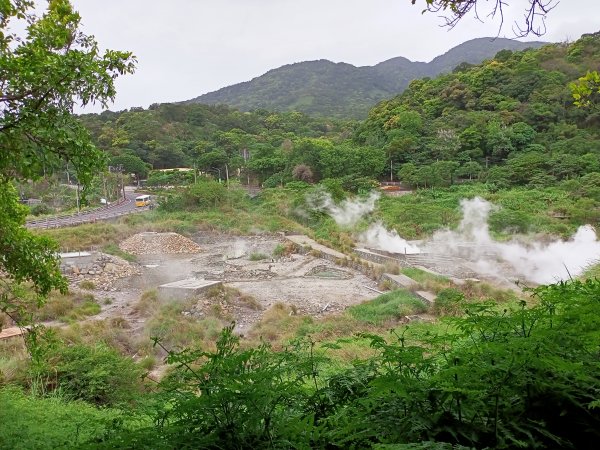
x=481, y=367
x=341, y=90
x=509, y=121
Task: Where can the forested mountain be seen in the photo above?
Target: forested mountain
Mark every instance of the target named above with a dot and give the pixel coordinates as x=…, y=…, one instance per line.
x=509, y=121
x=324, y=88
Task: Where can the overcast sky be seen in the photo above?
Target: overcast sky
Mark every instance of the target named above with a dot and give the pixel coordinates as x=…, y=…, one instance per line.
x=186, y=48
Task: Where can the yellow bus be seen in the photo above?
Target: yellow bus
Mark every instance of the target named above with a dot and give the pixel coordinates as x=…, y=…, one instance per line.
x=142, y=200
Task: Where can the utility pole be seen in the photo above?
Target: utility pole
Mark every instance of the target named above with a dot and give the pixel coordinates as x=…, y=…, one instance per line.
x=104, y=187
x=78, y=204
x=246, y=156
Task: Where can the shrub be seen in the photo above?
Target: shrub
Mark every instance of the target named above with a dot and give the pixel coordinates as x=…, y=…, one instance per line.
x=41, y=209
x=257, y=256
x=87, y=285
x=28, y=422
x=147, y=303
x=148, y=362
x=96, y=374
x=279, y=251
x=302, y=172
x=68, y=307
x=389, y=306
x=297, y=186
x=239, y=398
x=449, y=302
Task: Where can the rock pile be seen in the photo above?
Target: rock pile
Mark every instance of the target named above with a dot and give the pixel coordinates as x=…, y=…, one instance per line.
x=101, y=269
x=158, y=243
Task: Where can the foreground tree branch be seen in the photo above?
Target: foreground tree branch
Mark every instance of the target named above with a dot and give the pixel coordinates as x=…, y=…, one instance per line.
x=44, y=72
x=534, y=15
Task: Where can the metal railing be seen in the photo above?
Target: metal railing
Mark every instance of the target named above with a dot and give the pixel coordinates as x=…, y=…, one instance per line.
x=89, y=216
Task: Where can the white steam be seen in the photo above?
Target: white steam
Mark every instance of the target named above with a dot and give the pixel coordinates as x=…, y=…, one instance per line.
x=348, y=212
x=534, y=261
x=537, y=262
x=378, y=237
x=236, y=250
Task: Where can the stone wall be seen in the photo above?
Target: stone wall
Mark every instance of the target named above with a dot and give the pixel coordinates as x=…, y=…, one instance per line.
x=378, y=258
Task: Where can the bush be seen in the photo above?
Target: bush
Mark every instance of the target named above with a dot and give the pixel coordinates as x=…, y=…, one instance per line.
x=96, y=374
x=148, y=303
x=69, y=306
x=274, y=181
x=27, y=422
x=449, y=302
x=359, y=184
x=392, y=305
x=41, y=209
x=297, y=186
x=237, y=398
x=87, y=285
x=257, y=256
x=279, y=250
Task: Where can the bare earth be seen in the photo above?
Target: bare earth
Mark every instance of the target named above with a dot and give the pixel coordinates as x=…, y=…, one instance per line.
x=311, y=285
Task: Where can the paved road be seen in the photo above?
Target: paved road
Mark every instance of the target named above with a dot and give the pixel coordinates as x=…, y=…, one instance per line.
x=123, y=207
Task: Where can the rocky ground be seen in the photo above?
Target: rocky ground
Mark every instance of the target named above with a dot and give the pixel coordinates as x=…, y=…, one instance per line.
x=309, y=284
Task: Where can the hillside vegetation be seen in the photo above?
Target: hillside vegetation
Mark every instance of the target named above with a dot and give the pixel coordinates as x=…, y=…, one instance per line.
x=327, y=89
x=509, y=121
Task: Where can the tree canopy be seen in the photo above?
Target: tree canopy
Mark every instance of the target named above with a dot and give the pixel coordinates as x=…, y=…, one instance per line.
x=44, y=72
x=509, y=121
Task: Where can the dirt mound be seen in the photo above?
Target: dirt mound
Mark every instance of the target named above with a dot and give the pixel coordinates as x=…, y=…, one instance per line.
x=158, y=243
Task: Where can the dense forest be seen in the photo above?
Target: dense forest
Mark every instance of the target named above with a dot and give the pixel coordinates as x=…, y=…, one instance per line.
x=509, y=121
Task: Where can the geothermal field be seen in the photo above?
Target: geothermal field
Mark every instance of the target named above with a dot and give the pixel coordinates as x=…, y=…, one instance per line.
x=471, y=251
x=315, y=280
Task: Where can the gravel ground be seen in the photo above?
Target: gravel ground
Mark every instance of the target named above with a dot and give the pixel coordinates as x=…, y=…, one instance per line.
x=312, y=285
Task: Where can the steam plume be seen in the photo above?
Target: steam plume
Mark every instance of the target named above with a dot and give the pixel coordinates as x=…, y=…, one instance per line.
x=537, y=262
x=348, y=212
x=378, y=237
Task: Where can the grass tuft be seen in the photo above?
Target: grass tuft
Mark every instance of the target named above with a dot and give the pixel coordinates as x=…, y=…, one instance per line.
x=387, y=307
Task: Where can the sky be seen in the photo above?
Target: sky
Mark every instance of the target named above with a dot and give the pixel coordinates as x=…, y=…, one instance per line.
x=186, y=48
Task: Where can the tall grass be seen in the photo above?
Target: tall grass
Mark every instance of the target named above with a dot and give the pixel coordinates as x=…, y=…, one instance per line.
x=27, y=422
x=68, y=307
x=388, y=307
x=422, y=276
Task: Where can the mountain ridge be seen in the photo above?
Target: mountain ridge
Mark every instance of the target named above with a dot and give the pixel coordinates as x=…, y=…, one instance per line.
x=325, y=88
